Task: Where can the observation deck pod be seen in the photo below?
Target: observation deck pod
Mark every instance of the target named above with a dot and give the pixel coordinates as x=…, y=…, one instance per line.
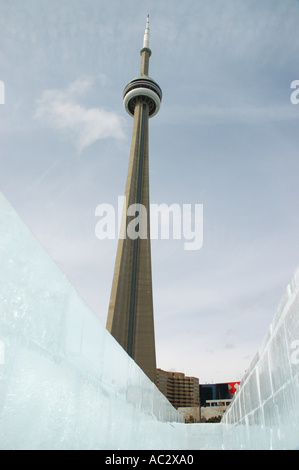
x=146, y=87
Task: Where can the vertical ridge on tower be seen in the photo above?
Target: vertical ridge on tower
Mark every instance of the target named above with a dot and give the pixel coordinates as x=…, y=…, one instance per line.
x=131, y=316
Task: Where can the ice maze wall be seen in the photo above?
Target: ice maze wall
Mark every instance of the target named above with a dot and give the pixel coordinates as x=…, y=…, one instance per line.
x=265, y=412
x=65, y=383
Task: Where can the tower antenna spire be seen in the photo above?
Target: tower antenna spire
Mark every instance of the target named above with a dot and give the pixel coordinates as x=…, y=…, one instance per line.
x=145, y=47
x=146, y=34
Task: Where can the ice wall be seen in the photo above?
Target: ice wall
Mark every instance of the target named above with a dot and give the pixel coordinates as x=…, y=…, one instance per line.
x=65, y=383
x=265, y=411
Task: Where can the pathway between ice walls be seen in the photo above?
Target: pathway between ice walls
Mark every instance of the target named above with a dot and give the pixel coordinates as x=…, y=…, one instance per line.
x=65, y=383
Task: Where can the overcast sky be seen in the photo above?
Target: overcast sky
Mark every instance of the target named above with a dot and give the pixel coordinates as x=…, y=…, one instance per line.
x=226, y=136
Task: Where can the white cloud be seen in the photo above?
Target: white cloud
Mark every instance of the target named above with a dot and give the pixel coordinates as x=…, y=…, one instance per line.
x=60, y=109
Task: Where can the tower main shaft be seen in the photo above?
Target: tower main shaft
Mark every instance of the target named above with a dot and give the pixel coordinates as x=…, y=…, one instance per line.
x=130, y=316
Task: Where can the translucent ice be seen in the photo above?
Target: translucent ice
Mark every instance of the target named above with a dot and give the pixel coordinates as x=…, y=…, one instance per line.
x=65, y=383
x=268, y=399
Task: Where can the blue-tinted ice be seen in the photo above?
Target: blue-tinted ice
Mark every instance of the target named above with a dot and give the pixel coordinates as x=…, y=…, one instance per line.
x=65, y=383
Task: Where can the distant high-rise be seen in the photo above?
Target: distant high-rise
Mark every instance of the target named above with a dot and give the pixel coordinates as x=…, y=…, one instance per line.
x=180, y=390
x=131, y=317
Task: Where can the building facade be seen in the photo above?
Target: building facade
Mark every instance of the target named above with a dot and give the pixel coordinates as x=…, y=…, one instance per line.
x=215, y=399
x=180, y=390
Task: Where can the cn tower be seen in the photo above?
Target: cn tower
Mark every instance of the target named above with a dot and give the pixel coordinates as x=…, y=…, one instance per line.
x=131, y=316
